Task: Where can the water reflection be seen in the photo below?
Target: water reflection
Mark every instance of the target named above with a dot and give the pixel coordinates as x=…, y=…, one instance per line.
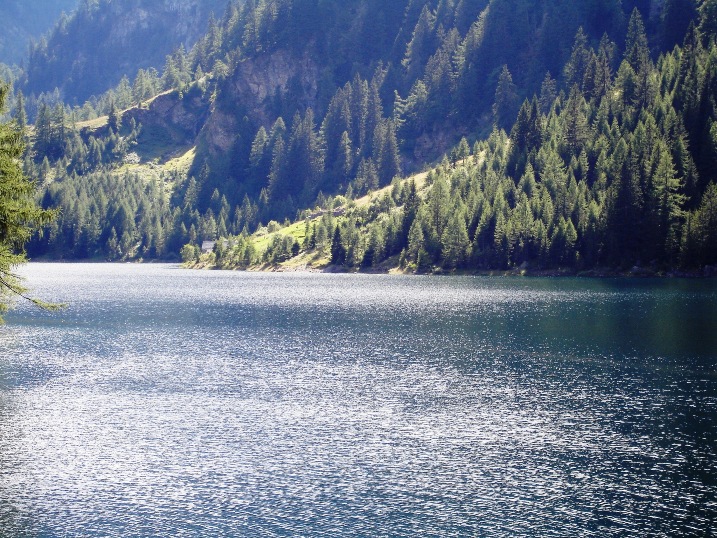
x=167, y=402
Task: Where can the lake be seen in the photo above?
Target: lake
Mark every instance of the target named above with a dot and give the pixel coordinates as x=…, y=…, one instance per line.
x=167, y=402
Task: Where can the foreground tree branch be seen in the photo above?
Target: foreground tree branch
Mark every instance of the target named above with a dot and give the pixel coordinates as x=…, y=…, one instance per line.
x=20, y=216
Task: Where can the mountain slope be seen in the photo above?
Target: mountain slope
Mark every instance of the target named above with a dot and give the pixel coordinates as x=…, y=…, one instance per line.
x=280, y=105
x=89, y=52
x=435, y=66
x=26, y=20
x=600, y=178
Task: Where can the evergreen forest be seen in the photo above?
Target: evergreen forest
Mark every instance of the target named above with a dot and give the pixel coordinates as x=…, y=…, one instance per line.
x=425, y=135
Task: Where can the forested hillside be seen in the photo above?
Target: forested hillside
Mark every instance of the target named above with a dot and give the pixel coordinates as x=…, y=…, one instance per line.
x=424, y=72
x=25, y=21
x=283, y=104
x=89, y=51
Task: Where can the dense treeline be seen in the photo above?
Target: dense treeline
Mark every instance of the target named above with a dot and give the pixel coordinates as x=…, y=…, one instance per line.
x=605, y=175
x=121, y=216
x=610, y=163
x=427, y=71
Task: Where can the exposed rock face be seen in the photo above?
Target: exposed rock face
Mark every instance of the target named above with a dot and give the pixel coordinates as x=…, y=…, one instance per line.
x=428, y=145
x=254, y=82
x=213, y=127
x=181, y=119
x=260, y=78
x=220, y=133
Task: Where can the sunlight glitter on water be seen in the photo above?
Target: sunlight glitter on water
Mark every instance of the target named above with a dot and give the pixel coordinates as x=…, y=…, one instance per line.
x=184, y=403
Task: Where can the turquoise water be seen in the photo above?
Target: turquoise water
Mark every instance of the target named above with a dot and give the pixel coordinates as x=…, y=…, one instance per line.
x=166, y=402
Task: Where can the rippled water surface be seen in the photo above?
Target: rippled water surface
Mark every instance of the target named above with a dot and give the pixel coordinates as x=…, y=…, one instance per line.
x=166, y=402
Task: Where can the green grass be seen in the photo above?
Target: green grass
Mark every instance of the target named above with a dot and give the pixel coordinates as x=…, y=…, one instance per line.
x=93, y=125
x=156, y=143
x=296, y=230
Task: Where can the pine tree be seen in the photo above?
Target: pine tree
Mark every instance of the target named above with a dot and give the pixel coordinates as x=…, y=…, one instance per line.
x=599, y=76
x=637, y=55
x=637, y=52
x=506, y=103
x=260, y=159
x=708, y=18
x=344, y=159
x=387, y=157
x=421, y=44
x=438, y=202
x=702, y=234
x=115, y=118
x=415, y=242
x=462, y=151
x=527, y=130
x=338, y=251
x=455, y=241
x=576, y=131
x=20, y=215
x=548, y=93
x=410, y=210
x=667, y=192
x=374, y=249
x=577, y=67
x=20, y=114
x=43, y=132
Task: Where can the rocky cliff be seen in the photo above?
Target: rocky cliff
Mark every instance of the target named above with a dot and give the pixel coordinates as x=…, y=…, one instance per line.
x=250, y=90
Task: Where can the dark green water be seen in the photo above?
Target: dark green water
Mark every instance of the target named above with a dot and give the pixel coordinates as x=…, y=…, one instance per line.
x=166, y=402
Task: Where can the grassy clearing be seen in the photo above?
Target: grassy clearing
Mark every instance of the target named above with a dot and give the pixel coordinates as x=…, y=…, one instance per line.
x=317, y=261
x=366, y=200
x=262, y=239
x=94, y=124
x=177, y=168
x=182, y=163
x=101, y=121
x=320, y=260
x=306, y=261
x=156, y=143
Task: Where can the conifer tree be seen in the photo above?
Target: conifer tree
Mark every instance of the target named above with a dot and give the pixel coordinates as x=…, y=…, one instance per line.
x=415, y=242
x=708, y=18
x=374, y=249
x=344, y=159
x=386, y=152
x=115, y=118
x=20, y=216
x=576, y=130
x=338, y=250
x=20, y=114
x=506, y=103
x=577, y=67
x=418, y=48
x=637, y=52
x=548, y=93
x=454, y=241
x=410, y=210
x=43, y=131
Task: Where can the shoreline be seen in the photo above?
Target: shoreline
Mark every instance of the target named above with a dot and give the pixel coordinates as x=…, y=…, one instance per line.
x=601, y=272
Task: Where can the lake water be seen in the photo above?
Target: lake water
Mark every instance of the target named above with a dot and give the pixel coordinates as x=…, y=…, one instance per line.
x=166, y=402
